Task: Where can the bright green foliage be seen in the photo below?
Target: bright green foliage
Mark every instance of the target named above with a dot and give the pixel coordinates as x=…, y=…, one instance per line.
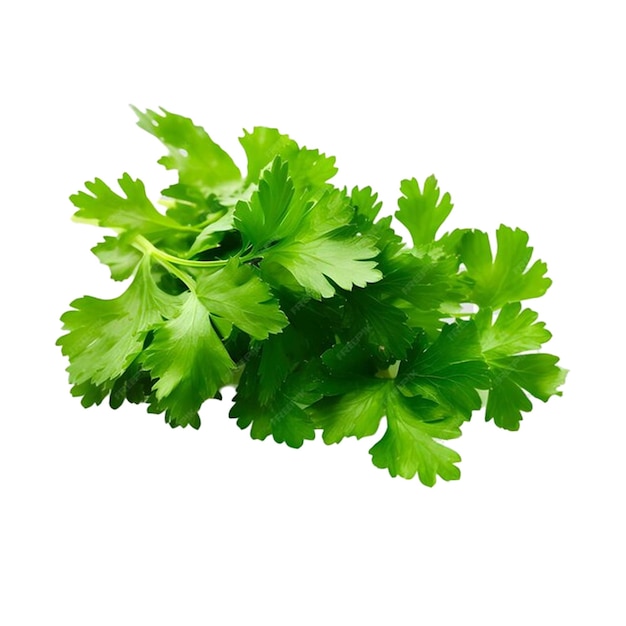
x=366, y=204
x=538, y=374
x=213, y=233
x=506, y=343
x=448, y=371
x=262, y=146
x=315, y=263
x=119, y=254
x=134, y=212
x=106, y=335
x=355, y=413
x=513, y=330
x=188, y=361
x=421, y=211
x=199, y=161
x=270, y=215
x=296, y=292
x=309, y=169
x=283, y=414
x=281, y=417
x=502, y=280
x=409, y=445
x=237, y=294
x=305, y=237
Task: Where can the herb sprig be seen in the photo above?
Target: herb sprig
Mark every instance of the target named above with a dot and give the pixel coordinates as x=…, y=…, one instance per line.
x=295, y=291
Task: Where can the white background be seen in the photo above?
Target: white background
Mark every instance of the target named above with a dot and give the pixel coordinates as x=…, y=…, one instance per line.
x=113, y=518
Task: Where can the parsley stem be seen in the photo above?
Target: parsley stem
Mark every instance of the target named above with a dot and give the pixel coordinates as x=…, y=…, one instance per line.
x=182, y=276
x=250, y=257
x=211, y=219
x=390, y=373
x=148, y=248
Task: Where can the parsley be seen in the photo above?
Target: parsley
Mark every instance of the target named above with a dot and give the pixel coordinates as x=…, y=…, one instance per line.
x=292, y=289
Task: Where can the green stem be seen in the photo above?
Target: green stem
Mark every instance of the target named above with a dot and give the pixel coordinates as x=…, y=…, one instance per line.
x=213, y=217
x=143, y=245
x=250, y=257
x=460, y=315
x=390, y=373
x=183, y=276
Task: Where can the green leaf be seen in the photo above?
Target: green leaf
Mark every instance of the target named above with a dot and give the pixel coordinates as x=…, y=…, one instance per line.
x=282, y=415
x=449, y=371
x=200, y=162
x=275, y=359
x=409, y=445
x=119, y=255
x=262, y=146
x=538, y=374
x=281, y=354
x=351, y=363
x=307, y=238
x=91, y=394
x=366, y=203
x=270, y=215
x=504, y=279
x=506, y=401
x=132, y=212
x=383, y=324
x=189, y=362
x=315, y=263
x=236, y=293
x=514, y=330
x=424, y=282
x=384, y=238
x=275, y=364
x=421, y=211
x=190, y=210
x=309, y=169
x=106, y=335
x=282, y=418
x=134, y=385
x=356, y=413
x=212, y=234
x=328, y=213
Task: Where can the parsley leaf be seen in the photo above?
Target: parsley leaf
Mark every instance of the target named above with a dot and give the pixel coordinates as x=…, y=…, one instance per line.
x=106, y=335
x=305, y=237
x=355, y=413
x=134, y=212
x=189, y=362
x=504, y=279
x=236, y=293
x=270, y=214
x=119, y=255
x=314, y=264
x=283, y=416
x=262, y=146
x=515, y=331
x=200, y=162
x=309, y=169
x=448, y=371
x=409, y=444
x=421, y=211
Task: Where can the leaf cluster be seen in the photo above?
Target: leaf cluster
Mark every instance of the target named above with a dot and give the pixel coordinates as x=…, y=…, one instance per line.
x=297, y=292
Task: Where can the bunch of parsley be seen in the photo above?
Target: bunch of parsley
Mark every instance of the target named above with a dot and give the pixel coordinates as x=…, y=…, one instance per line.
x=293, y=290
